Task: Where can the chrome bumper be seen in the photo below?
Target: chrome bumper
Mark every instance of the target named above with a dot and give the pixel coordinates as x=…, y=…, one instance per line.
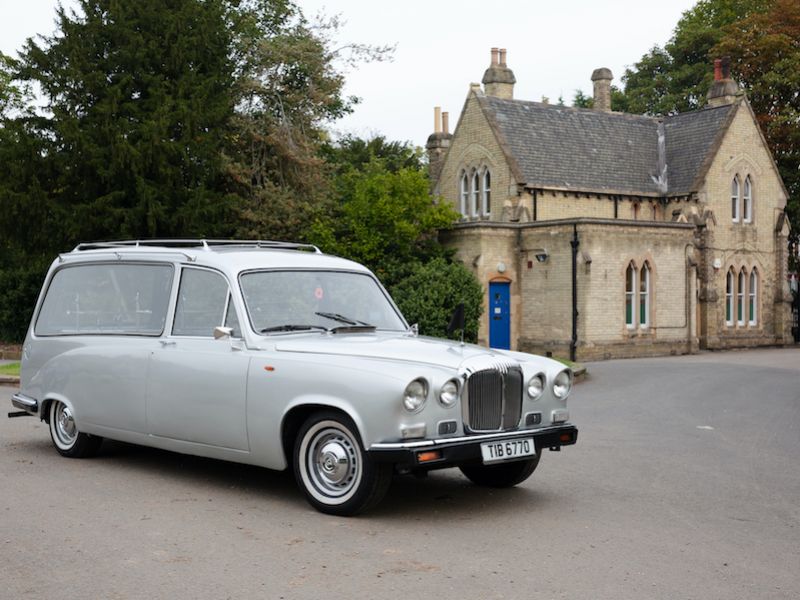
x=465, y=449
x=26, y=403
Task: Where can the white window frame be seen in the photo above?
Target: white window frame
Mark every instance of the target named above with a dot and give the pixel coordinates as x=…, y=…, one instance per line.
x=631, y=294
x=464, y=194
x=752, y=296
x=741, y=280
x=729, y=294
x=747, y=213
x=735, y=199
x=486, y=192
x=644, y=296
x=475, y=205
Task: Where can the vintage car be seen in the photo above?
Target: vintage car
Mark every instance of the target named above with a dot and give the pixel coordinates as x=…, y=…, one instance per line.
x=274, y=354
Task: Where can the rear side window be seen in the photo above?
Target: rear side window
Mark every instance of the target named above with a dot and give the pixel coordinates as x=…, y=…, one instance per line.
x=203, y=299
x=106, y=299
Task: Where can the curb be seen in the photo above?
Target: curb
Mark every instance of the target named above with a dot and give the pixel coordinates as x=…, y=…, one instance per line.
x=9, y=380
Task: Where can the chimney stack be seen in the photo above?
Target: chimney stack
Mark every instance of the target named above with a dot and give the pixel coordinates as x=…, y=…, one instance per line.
x=499, y=80
x=724, y=90
x=438, y=143
x=602, y=89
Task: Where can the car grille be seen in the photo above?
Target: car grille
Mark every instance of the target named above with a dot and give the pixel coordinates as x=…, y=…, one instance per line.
x=494, y=400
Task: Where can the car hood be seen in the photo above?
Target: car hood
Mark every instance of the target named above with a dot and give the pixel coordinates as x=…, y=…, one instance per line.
x=400, y=347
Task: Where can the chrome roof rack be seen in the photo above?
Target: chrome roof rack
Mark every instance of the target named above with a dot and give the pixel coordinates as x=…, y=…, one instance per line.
x=198, y=243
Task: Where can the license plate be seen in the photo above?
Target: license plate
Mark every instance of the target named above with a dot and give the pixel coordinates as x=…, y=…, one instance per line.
x=499, y=451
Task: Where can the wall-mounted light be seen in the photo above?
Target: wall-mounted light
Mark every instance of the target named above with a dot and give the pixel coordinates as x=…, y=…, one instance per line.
x=501, y=267
x=542, y=256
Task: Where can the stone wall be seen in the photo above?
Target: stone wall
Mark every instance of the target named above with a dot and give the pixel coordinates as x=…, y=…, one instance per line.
x=541, y=310
x=754, y=245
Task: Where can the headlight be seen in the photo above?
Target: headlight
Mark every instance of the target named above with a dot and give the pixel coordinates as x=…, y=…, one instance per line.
x=449, y=394
x=415, y=395
x=562, y=384
x=536, y=386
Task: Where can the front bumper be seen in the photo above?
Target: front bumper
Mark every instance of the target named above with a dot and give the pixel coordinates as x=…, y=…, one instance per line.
x=465, y=449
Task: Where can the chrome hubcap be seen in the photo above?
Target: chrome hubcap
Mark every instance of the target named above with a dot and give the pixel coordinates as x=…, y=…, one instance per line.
x=333, y=462
x=65, y=425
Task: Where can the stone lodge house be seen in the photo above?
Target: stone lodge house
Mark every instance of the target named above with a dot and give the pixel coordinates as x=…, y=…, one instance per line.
x=600, y=234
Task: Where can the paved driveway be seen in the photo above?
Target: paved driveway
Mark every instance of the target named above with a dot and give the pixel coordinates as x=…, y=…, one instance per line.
x=685, y=483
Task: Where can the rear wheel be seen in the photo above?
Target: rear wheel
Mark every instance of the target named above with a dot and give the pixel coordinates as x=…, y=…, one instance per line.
x=64, y=432
x=335, y=473
x=502, y=475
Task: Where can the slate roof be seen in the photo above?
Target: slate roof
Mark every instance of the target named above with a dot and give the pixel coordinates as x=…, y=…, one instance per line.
x=588, y=150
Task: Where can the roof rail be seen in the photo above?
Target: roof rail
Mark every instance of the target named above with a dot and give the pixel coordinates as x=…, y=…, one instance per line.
x=198, y=243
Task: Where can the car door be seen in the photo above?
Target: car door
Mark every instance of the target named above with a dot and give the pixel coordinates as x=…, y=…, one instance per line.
x=197, y=385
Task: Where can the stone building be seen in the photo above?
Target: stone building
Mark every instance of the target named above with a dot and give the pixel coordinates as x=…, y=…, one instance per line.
x=600, y=234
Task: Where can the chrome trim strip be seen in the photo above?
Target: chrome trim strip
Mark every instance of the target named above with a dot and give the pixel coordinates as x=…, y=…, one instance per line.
x=25, y=402
x=464, y=439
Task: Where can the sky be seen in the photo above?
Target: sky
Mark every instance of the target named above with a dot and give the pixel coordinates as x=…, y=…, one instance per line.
x=443, y=45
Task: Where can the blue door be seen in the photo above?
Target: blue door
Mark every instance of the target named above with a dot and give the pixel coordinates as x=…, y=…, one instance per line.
x=499, y=316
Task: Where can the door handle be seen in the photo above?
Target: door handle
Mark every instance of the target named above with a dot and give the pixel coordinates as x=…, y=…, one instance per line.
x=165, y=343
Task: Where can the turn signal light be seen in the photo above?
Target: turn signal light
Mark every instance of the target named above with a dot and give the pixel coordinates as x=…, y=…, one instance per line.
x=424, y=457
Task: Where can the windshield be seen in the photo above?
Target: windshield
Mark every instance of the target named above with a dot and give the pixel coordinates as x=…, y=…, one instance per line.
x=308, y=300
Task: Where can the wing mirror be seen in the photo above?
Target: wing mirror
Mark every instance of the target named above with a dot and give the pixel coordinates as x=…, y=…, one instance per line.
x=223, y=333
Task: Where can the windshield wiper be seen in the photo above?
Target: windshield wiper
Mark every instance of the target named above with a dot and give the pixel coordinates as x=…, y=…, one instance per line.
x=342, y=319
x=290, y=327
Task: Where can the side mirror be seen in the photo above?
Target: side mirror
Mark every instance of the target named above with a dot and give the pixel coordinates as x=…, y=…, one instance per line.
x=223, y=333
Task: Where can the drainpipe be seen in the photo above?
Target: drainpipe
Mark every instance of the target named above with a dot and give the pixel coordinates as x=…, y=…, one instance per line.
x=574, y=243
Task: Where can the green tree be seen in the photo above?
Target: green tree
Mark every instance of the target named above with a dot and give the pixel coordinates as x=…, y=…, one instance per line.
x=138, y=99
x=386, y=220
x=288, y=89
x=675, y=78
x=352, y=152
x=430, y=293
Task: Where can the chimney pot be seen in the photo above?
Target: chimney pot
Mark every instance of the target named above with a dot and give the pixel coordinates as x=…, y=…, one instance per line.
x=495, y=53
x=717, y=69
x=502, y=57
x=446, y=123
x=437, y=119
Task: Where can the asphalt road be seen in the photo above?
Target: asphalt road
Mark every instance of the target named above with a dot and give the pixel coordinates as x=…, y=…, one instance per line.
x=685, y=483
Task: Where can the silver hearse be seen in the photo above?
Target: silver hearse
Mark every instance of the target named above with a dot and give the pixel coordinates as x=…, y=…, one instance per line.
x=274, y=354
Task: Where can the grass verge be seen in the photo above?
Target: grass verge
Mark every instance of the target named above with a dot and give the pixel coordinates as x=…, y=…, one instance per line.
x=10, y=369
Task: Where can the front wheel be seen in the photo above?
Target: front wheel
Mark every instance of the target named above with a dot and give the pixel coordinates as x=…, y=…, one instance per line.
x=66, y=438
x=502, y=475
x=332, y=469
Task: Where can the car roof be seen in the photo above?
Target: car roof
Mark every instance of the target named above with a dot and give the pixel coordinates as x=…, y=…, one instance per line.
x=231, y=256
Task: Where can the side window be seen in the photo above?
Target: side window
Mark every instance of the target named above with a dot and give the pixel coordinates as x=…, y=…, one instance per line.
x=202, y=301
x=106, y=299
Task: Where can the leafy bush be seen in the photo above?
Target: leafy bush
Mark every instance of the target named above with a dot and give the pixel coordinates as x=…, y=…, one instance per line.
x=19, y=288
x=429, y=295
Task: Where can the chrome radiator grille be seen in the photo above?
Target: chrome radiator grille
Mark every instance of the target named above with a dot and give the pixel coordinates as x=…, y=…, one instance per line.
x=494, y=400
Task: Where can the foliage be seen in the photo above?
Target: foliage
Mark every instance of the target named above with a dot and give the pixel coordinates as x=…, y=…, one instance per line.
x=20, y=283
x=384, y=219
x=581, y=100
x=675, y=78
x=351, y=152
x=765, y=52
x=429, y=295
x=288, y=87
